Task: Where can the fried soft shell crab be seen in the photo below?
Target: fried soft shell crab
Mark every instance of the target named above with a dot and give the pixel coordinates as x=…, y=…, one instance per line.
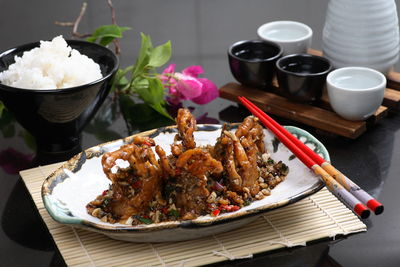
x=192, y=180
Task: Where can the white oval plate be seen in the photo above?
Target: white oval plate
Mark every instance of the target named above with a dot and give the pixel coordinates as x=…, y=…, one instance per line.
x=67, y=190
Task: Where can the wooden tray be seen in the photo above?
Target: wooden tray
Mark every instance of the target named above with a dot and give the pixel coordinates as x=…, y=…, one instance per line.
x=319, y=115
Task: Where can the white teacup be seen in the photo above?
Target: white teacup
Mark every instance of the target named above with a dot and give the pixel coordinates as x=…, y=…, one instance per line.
x=355, y=93
x=294, y=37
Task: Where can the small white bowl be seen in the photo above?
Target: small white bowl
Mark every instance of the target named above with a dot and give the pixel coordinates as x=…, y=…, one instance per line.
x=294, y=37
x=355, y=93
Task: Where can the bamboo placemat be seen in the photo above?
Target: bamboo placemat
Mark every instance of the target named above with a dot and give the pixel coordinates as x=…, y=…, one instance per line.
x=319, y=216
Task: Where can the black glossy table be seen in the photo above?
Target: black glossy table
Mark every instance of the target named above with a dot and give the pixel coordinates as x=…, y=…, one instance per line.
x=200, y=32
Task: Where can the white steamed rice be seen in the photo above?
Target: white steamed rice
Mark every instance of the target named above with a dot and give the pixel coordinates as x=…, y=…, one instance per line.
x=52, y=65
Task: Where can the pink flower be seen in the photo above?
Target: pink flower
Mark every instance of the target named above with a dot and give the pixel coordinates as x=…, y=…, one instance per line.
x=186, y=85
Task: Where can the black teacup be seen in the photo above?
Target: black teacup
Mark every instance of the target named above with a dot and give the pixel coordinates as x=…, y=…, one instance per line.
x=252, y=62
x=302, y=77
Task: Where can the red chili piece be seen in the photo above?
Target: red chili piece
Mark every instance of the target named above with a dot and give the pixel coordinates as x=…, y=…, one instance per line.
x=229, y=208
x=215, y=213
x=164, y=210
x=137, y=184
x=147, y=143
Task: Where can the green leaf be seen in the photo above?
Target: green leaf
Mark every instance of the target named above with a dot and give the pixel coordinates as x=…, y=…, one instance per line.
x=173, y=213
x=106, y=40
x=123, y=81
x=160, y=55
x=144, y=55
x=2, y=107
x=153, y=95
x=91, y=39
x=143, y=80
x=160, y=108
x=134, y=113
x=156, y=89
x=124, y=28
x=144, y=94
x=118, y=76
x=145, y=220
x=119, y=80
x=140, y=82
x=148, y=90
x=107, y=33
x=7, y=122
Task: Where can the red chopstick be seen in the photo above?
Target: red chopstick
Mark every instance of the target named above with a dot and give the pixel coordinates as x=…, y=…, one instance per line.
x=303, y=153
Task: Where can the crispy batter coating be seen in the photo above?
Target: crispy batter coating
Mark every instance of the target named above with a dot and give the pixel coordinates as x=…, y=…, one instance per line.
x=239, y=153
x=135, y=186
x=167, y=169
x=250, y=127
x=109, y=160
x=143, y=140
x=198, y=162
x=186, y=124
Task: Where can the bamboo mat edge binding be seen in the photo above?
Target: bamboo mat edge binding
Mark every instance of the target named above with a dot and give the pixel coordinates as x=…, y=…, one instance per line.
x=319, y=216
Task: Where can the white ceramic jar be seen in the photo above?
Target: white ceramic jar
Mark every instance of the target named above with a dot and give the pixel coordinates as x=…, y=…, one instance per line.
x=361, y=33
